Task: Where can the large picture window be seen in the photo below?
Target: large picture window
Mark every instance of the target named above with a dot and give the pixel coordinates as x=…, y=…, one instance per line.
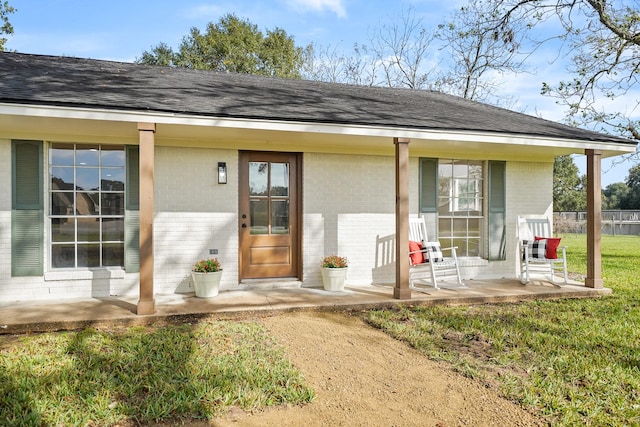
x=87, y=205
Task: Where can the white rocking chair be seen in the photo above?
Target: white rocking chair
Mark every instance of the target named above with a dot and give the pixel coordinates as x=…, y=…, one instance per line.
x=533, y=253
x=435, y=266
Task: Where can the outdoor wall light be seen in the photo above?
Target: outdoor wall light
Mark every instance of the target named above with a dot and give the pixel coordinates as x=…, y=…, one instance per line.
x=222, y=173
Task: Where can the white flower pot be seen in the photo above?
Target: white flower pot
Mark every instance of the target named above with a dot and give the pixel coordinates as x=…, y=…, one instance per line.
x=333, y=279
x=206, y=285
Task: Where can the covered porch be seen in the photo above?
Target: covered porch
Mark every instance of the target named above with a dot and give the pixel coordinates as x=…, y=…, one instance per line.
x=41, y=316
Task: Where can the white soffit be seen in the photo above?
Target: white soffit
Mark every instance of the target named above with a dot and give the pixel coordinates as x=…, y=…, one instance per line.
x=337, y=130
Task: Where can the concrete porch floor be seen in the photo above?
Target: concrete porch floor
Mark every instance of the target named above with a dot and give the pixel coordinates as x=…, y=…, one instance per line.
x=69, y=314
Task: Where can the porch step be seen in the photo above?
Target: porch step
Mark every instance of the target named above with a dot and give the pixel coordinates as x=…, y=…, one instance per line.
x=261, y=284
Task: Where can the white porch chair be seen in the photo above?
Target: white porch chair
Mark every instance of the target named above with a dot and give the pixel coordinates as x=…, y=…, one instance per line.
x=533, y=257
x=436, y=266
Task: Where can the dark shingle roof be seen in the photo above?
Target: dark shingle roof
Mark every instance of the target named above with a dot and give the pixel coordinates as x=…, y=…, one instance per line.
x=88, y=83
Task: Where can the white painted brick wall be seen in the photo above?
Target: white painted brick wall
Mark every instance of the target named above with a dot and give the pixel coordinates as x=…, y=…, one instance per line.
x=349, y=201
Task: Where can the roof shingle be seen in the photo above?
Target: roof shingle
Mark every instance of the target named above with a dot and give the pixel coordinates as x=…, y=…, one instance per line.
x=89, y=83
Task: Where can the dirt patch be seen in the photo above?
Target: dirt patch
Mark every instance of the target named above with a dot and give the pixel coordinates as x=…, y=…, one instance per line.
x=362, y=377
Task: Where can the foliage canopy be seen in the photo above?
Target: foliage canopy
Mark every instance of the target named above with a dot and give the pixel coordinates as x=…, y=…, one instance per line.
x=232, y=45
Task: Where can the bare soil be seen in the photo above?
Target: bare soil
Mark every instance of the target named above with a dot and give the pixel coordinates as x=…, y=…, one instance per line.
x=363, y=377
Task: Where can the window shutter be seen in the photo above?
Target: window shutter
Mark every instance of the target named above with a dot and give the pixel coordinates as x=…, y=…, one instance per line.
x=27, y=214
x=429, y=195
x=132, y=212
x=497, y=211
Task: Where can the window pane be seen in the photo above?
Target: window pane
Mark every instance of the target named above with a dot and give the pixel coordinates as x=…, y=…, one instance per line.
x=280, y=217
x=63, y=256
x=112, y=204
x=88, y=230
x=87, y=155
x=88, y=255
x=444, y=227
x=87, y=204
x=62, y=204
x=63, y=229
x=259, y=214
x=258, y=178
x=112, y=179
x=112, y=156
x=279, y=179
x=62, y=178
x=112, y=254
x=113, y=229
x=61, y=155
x=475, y=227
x=88, y=178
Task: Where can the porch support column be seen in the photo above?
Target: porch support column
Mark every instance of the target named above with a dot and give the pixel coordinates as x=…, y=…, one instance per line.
x=594, y=219
x=401, y=289
x=146, y=133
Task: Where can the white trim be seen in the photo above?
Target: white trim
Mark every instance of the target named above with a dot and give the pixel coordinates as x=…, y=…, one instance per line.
x=306, y=127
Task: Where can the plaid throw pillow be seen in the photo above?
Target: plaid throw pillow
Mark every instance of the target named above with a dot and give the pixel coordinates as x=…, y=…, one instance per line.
x=537, y=248
x=433, y=251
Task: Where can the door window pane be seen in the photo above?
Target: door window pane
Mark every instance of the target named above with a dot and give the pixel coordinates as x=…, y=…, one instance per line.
x=279, y=179
x=259, y=216
x=258, y=178
x=280, y=217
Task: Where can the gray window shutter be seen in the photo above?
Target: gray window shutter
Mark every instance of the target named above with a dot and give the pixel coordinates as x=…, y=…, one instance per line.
x=132, y=212
x=429, y=195
x=497, y=211
x=27, y=213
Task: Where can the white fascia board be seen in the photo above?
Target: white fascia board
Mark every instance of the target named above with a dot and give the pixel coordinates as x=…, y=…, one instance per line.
x=306, y=127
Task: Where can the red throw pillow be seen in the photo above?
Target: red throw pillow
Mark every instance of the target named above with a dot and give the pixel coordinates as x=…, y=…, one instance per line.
x=418, y=256
x=552, y=246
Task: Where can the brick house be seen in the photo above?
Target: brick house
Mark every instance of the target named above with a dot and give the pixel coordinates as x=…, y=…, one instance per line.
x=115, y=178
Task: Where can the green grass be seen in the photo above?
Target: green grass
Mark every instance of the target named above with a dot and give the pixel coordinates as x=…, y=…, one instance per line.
x=143, y=375
x=574, y=362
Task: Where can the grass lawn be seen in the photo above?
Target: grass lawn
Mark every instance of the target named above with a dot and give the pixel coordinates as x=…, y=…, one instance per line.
x=575, y=362
x=143, y=375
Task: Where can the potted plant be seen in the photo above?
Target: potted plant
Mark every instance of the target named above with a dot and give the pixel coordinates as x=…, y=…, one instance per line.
x=334, y=272
x=206, y=276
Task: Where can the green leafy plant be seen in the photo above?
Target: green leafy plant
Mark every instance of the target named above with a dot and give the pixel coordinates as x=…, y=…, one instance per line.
x=334, y=261
x=209, y=265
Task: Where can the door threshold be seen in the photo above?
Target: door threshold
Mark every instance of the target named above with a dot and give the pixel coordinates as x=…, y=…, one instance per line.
x=270, y=283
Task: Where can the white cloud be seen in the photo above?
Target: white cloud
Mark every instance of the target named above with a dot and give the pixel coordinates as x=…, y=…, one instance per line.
x=335, y=6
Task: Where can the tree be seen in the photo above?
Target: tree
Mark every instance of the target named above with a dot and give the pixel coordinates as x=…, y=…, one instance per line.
x=568, y=186
x=6, y=27
x=601, y=39
x=478, y=55
x=613, y=195
x=232, y=45
x=632, y=199
x=400, y=48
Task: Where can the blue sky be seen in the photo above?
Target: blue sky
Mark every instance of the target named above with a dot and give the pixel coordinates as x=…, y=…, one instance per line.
x=121, y=30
